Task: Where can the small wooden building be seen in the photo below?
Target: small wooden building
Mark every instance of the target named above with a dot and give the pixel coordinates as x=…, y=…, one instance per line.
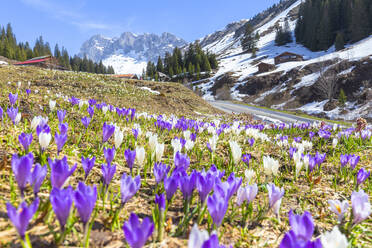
x=47, y=61
x=163, y=77
x=265, y=67
x=287, y=57
x=126, y=76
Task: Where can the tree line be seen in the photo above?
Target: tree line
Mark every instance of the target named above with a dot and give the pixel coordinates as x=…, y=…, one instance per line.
x=192, y=62
x=10, y=49
x=323, y=23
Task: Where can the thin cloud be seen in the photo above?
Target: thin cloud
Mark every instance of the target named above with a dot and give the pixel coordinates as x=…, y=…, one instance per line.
x=70, y=14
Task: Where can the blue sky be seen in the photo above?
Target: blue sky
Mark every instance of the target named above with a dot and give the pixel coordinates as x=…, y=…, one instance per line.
x=71, y=22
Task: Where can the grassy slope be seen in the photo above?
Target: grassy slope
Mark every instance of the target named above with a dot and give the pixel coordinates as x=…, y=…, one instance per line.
x=173, y=97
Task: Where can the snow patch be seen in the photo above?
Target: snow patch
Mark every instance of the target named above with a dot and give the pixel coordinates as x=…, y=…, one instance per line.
x=150, y=90
x=3, y=63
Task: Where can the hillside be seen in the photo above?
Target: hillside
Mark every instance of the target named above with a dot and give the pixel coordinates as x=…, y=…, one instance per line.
x=165, y=98
x=286, y=86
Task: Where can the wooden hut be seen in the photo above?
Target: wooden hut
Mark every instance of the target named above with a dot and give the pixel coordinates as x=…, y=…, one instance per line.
x=47, y=61
x=287, y=57
x=265, y=67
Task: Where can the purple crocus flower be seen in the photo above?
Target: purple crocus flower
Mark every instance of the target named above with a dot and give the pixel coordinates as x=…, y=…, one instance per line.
x=360, y=205
x=90, y=111
x=28, y=91
x=275, y=197
x=109, y=154
x=85, y=198
x=213, y=242
x=204, y=184
x=362, y=175
x=297, y=139
x=61, y=115
x=74, y=101
x=129, y=187
x=230, y=187
x=13, y=98
x=181, y=160
x=312, y=163
x=246, y=158
x=1, y=113
x=217, y=207
x=209, y=147
x=187, y=184
x=324, y=134
x=319, y=158
x=302, y=229
x=108, y=173
x=130, y=156
x=193, y=137
x=135, y=133
x=344, y=159
x=247, y=194
x=25, y=140
x=22, y=216
x=171, y=185
x=37, y=177
x=85, y=121
x=87, y=164
x=311, y=135
x=63, y=128
x=92, y=102
x=292, y=150
x=61, y=200
x=21, y=167
x=353, y=161
x=12, y=114
x=160, y=201
x=160, y=171
x=251, y=141
x=60, y=171
x=136, y=233
x=60, y=140
x=107, y=132
x=217, y=173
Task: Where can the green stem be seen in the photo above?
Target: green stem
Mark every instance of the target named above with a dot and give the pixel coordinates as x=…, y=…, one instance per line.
x=161, y=225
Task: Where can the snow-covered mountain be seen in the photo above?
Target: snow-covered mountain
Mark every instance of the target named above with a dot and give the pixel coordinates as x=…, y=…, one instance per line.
x=290, y=85
x=130, y=52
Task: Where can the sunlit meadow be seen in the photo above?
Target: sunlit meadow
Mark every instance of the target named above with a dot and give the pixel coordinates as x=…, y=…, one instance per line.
x=81, y=172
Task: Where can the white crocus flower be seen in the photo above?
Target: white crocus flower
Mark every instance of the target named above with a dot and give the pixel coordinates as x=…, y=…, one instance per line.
x=213, y=142
x=334, y=239
x=186, y=134
x=104, y=109
x=52, y=105
x=140, y=155
x=44, y=140
x=19, y=84
x=177, y=146
x=297, y=157
x=18, y=118
x=334, y=142
x=271, y=166
x=36, y=121
x=159, y=150
x=118, y=137
x=197, y=237
x=189, y=145
x=153, y=141
x=236, y=151
x=249, y=175
x=339, y=208
x=82, y=103
x=211, y=130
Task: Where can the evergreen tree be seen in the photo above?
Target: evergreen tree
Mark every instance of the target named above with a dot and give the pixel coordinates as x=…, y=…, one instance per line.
x=159, y=65
x=249, y=40
x=339, y=43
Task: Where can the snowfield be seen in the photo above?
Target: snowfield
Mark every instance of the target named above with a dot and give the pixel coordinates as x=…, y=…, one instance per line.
x=242, y=65
x=124, y=64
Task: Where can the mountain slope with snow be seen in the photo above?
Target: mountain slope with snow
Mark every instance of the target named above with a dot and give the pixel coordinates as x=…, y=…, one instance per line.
x=130, y=52
x=289, y=83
